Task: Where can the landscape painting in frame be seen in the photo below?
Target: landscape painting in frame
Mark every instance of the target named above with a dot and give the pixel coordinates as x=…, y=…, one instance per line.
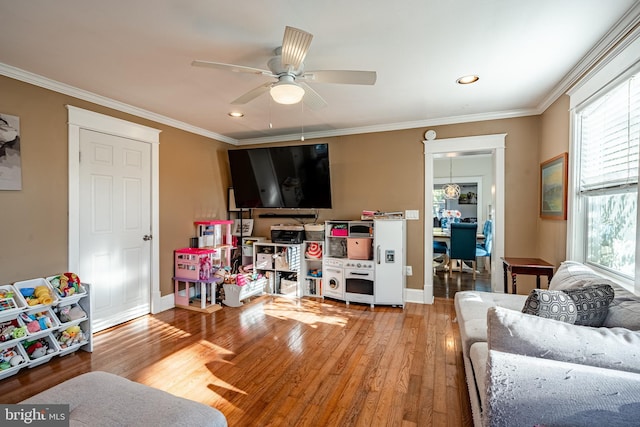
x=10, y=159
x=553, y=188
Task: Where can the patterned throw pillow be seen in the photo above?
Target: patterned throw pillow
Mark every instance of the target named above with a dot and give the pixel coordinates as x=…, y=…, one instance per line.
x=592, y=303
x=555, y=305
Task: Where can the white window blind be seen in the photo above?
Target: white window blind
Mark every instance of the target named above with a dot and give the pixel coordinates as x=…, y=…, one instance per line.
x=610, y=137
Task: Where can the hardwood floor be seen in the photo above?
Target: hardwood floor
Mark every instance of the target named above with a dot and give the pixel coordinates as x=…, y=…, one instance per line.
x=446, y=285
x=286, y=362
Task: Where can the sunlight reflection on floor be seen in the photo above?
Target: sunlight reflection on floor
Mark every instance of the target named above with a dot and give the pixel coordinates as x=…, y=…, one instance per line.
x=309, y=312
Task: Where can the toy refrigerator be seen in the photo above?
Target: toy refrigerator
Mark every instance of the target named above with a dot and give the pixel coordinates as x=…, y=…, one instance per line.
x=389, y=243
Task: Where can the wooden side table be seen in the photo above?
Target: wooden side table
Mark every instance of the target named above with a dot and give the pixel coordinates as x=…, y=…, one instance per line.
x=532, y=266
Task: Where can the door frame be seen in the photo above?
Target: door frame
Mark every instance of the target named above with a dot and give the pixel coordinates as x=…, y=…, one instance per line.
x=494, y=144
x=85, y=119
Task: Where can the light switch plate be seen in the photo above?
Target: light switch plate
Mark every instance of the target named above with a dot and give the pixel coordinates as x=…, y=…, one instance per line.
x=412, y=214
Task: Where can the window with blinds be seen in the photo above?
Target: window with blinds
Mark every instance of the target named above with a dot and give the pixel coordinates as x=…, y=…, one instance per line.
x=609, y=133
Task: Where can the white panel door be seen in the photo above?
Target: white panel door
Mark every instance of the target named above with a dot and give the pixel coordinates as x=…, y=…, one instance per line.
x=115, y=218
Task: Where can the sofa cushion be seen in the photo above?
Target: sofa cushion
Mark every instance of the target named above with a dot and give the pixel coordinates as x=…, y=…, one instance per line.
x=102, y=399
x=479, y=354
x=624, y=314
x=527, y=391
x=551, y=305
x=573, y=274
x=592, y=303
x=510, y=331
x=624, y=310
x=471, y=313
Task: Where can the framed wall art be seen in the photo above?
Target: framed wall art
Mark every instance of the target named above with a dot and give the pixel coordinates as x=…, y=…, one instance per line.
x=10, y=158
x=242, y=227
x=553, y=188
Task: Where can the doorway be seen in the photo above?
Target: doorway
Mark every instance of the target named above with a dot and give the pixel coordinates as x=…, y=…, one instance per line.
x=492, y=145
x=122, y=296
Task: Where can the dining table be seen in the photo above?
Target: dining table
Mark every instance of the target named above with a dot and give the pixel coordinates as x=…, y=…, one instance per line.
x=444, y=235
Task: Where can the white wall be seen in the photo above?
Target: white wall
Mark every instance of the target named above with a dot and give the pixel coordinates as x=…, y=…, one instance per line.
x=469, y=166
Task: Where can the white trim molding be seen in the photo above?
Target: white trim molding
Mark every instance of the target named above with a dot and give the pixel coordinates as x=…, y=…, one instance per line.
x=495, y=144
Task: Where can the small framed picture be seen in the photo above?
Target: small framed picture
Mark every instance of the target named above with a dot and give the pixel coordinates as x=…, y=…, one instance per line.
x=242, y=227
x=553, y=188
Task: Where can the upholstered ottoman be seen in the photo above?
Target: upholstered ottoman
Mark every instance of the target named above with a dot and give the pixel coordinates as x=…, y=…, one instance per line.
x=102, y=399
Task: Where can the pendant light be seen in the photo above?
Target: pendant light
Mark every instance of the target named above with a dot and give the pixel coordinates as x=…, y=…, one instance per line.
x=451, y=190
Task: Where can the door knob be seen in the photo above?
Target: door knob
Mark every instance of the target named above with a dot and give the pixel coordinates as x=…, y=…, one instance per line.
x=147, y=237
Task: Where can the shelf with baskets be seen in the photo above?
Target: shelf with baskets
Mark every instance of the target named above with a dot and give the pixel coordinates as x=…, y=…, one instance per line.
x=281, y=264
x=42, y=318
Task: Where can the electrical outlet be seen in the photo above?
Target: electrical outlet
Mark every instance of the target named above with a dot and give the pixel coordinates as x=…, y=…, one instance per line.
x=409, y=270
x=412, y=214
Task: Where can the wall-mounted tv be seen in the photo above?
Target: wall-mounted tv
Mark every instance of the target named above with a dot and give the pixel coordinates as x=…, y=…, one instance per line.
x=296, y=177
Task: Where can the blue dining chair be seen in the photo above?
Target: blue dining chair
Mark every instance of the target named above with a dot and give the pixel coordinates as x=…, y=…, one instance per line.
x=463, y=245
x=484, y=249
x=440, y=250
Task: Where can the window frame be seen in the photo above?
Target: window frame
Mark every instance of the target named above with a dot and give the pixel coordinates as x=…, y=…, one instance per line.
x=618, y=67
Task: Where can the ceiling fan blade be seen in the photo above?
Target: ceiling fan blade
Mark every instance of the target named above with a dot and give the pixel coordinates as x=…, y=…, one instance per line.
x=311, y=98
x=295, y=45
x=252, y=94
x=349, y=77
x=230, y=67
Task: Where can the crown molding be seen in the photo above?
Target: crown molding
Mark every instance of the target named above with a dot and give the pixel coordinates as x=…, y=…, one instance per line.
x=37, y=80
x=394, y=126
x=623, y=33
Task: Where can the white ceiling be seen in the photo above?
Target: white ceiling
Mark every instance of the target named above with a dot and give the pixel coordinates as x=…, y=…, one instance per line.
x=136, y=55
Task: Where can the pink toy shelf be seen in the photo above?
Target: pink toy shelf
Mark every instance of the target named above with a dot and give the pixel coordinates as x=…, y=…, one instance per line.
x=216, y=234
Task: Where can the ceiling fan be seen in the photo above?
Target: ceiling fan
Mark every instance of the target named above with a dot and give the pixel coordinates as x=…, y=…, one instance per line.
x=287, y=67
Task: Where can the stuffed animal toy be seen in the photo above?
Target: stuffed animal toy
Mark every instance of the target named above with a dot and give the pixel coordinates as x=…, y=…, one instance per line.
x=9, y=358
x=36, y=349
x=71, y=313
x=71, y=336
x=66, y=284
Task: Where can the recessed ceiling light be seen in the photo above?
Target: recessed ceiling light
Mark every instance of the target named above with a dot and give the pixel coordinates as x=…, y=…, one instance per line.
x=236, y=114
x=466, y=80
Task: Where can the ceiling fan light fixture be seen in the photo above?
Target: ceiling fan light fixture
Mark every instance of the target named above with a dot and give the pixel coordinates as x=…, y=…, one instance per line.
x=235, y=114
x=466, y=80
x=286, y=91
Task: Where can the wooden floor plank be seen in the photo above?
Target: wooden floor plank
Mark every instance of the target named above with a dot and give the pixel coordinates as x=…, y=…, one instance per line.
x=282, y=362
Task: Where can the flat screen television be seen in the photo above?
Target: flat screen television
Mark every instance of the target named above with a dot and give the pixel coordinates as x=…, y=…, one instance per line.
x=293, y=177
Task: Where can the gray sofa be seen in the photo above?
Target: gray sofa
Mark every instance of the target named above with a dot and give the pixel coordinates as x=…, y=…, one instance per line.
x=100, y=399
x=526, y=370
